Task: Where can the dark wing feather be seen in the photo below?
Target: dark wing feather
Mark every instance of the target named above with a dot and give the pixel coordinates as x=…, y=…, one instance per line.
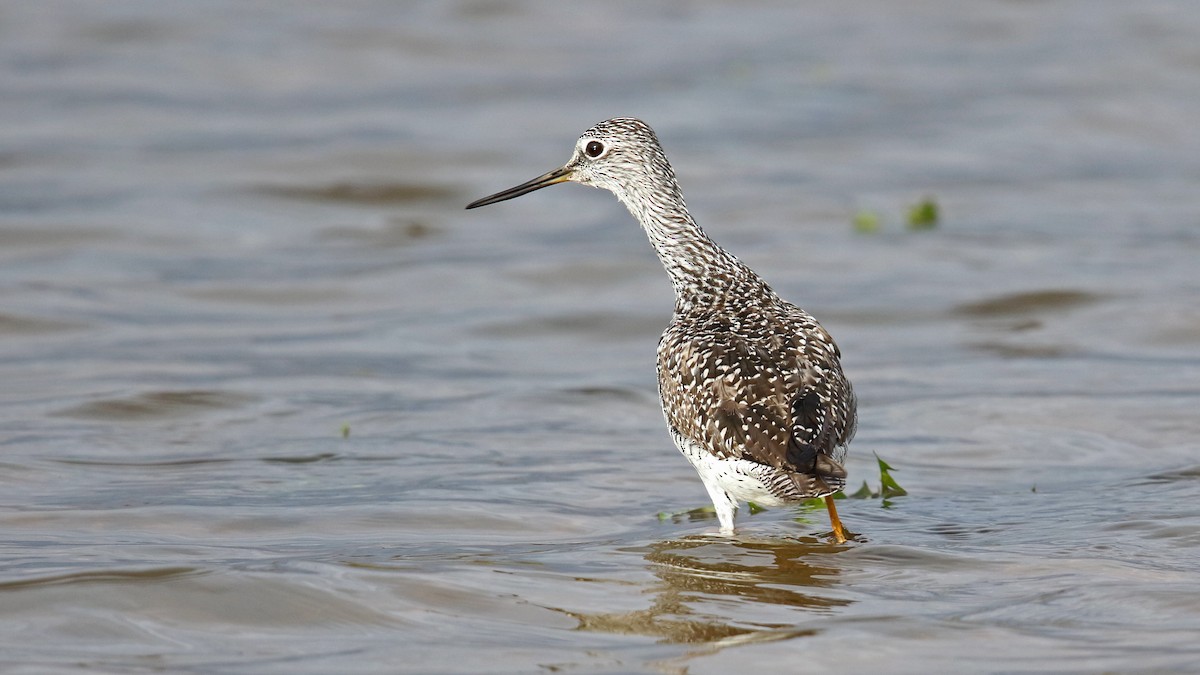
x=776, y=397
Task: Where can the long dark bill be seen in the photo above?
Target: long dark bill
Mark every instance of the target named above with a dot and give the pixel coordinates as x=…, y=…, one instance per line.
x=545, y=180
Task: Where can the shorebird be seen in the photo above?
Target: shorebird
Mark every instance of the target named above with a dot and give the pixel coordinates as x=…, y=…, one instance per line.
x=751, y=385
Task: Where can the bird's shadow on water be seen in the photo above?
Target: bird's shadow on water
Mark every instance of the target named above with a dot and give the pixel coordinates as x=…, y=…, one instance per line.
x=700, y=576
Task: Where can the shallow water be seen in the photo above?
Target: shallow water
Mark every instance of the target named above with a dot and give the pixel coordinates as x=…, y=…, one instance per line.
x=274, y=402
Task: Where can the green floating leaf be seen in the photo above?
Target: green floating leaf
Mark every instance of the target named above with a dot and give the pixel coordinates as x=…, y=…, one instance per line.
x=866, y=222
x=346, y=430
x=924, y=215
x=889, y=486
x=698, y=513
x=819, y=502
x=864, y=492
x=754, y=508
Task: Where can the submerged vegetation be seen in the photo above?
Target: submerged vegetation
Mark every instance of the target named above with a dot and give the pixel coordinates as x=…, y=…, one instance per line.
x=888, y=489
x=866, y=221
x=924, y=215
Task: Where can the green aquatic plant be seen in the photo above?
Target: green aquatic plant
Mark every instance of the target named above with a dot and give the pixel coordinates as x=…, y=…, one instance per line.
x=924, y=215
x=888, y=485
x=346, y=430
x=866, y=221
x=888, y=488
x=698, y=513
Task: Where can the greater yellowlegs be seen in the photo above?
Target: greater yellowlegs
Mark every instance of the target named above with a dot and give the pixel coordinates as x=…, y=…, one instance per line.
x=751, y=385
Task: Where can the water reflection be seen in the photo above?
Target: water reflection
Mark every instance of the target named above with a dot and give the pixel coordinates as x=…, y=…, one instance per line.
x=702, y=570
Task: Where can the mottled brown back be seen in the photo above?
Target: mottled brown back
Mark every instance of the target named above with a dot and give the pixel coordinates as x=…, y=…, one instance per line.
x=747, y=375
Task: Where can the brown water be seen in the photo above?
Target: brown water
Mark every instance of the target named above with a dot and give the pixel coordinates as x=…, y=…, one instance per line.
x=231, y=232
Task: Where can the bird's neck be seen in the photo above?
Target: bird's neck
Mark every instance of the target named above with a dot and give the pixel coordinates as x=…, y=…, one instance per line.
x=700, y=270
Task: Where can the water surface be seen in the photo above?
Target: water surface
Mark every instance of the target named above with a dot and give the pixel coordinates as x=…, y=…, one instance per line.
x=272, y=401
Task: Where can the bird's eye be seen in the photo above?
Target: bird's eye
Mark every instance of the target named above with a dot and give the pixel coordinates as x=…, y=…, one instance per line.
x=594, y=149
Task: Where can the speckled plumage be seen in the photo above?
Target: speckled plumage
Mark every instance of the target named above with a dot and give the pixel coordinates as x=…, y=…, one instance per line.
x=752, y=386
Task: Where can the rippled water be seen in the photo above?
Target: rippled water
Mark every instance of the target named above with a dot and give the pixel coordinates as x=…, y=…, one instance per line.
x=274, y=402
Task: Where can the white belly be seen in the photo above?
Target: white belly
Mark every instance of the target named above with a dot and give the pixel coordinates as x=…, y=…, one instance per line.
x=743, y=480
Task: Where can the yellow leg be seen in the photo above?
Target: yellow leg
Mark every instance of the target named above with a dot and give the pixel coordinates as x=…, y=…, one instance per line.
x=839, y=532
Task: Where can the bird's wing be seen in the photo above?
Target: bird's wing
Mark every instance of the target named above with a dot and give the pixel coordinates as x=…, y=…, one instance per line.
x=772, y=401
